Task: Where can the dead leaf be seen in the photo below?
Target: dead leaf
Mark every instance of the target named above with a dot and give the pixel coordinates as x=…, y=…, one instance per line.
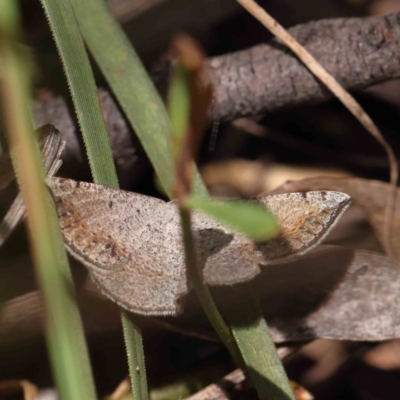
x=12, y=387
x=248, y=178
x=384, y=7
x=332, y=293
x=23, y=318
x=240, y=176
x=385, y=356
x=337, y=293
x=370, y=195
x=229, y=387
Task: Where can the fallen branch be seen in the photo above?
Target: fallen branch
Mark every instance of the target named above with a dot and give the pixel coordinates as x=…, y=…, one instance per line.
x=358, y=52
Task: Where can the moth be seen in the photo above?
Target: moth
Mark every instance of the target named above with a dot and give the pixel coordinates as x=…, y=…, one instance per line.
x=132, y=244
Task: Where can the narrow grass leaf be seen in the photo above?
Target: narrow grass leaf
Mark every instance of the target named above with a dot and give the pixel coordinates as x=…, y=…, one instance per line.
x=78, y=72
x=84, y=94
x=64, y=330
x=255, y=343
x=131, y=85
x=254, y=220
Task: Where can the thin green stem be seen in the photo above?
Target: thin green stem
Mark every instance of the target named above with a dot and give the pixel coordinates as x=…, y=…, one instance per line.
x=202, y=290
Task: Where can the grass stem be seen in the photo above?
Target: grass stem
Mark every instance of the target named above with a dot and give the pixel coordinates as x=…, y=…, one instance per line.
x=203, y=292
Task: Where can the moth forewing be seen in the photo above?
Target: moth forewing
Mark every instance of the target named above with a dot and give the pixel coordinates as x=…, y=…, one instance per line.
x=127, y=242
x=132, y=244
x=305, y=220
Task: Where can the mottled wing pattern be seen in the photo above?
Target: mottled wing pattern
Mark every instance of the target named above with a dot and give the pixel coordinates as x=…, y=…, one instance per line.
x=133, y=249
x=305, y=219
x=225, y=256
x=129, y=242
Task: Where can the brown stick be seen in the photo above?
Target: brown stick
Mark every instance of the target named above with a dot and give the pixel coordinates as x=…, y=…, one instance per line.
x=358, y=52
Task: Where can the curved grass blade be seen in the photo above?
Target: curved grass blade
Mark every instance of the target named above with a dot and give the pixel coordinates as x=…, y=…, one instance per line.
x=83, y=89
x=255, y=343
x=64, y=330
x=131, y=85
x=80, y=78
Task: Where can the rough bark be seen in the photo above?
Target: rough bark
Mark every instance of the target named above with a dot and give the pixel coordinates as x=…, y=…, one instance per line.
x=52, y=109
x=358, y=52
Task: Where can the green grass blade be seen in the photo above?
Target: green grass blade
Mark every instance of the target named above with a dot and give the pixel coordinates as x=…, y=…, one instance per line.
x=79, y=74
x=131, y=85
x=134, y=347
x=82, y=85
x=255, y=343
x=64, y=331
x=254, y=220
